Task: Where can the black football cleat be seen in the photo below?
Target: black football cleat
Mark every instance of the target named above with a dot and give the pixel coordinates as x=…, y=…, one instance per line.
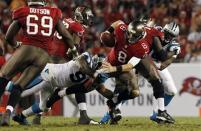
x=37, y=120
x=21, y=119
x=5, y=121
x=115, y=114
x=87, y=121
x=163, y=117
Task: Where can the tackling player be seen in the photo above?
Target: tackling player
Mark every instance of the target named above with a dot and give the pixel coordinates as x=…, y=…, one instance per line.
x=38, y=23
x=74, y=72
x=83, y=18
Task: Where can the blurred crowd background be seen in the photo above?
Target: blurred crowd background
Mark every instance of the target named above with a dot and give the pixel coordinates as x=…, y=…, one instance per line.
x=187, y=13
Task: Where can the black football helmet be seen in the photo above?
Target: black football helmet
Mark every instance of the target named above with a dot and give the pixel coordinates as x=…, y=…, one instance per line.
x=84, y=15
x=135, y=31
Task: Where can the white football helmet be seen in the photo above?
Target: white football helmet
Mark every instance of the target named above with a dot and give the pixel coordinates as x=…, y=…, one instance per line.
x=171, y=30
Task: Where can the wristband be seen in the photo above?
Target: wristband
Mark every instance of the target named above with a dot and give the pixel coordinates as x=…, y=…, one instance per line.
x=119, y=68
x=110, y=29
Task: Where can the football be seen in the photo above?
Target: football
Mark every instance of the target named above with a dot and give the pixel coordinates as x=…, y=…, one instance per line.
x=107, y=39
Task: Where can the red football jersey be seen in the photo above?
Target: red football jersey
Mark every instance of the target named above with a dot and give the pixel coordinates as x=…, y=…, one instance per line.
x=57, y=46
x=38, y=24
x=2, y=61
x=123, y=51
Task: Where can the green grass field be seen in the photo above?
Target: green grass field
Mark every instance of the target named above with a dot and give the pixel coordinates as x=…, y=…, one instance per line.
x=127, y=124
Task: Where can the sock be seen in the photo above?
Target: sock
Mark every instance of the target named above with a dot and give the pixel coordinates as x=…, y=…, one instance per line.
x=3, y=83
x=34, y=109
x=53, y=98
x=83, y=114
x=167, y=99
x=82, y=106
x=14, y=96
x=119, y=105
x=9, y=108
x=161, y=105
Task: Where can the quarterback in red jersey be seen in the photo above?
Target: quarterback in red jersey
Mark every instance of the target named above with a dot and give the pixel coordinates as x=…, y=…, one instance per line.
x=38, y=23
x=133, y=44
x=125, y=49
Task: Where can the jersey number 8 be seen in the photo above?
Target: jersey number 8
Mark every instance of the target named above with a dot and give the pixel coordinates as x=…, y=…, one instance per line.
x=122, y=57
x=33, y=28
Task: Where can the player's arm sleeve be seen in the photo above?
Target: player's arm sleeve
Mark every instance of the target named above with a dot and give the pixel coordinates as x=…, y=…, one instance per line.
x=114, y=25
x=166, y=63
x=17, y=14
x=12, y=32
x=76, y=38
x=67, y=37
x=161, y=54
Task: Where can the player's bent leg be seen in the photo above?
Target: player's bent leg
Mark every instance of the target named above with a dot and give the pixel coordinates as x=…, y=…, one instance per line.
x=84, y=118
x=170, y=90
x=35, y=108
x=34, y=62
x=148, y=70
x=3, y=83
x=34, y=89
x=169, y=85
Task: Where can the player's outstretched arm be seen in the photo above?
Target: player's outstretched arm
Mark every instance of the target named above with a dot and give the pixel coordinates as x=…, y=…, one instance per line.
x=162, y=55
x=11, y=33
x=108, y=68
x=67, y=37
x=166, y=63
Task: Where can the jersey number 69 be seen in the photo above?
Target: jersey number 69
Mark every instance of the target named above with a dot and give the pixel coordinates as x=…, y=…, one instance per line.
x=33, y=27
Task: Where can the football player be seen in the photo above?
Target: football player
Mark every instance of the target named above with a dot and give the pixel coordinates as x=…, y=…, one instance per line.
x=170, y=31
x=132, y=45
x=38, y=23
x=83, y=17
x=57, y=49
x=74, y=72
